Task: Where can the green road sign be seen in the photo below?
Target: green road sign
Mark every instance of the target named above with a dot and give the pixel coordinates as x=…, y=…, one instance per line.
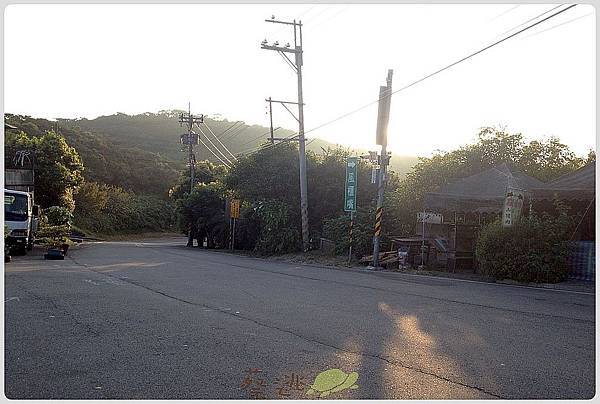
x=351, y=185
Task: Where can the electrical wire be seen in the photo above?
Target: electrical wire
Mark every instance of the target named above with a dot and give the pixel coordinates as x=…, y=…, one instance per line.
x=215, y=136
x=213, y=145
x=226, y=130
x=505, y=12
x=439, y=70
x=256, y=138
x=442, y=69
x=558, y=25
x=236, y=132
x=212, y=152
x=529, y=20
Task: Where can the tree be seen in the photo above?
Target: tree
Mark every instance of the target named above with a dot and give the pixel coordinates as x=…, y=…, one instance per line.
x=206, y=172
x=204, y=210
x=545, y=160
x=58, y=167
x=117, y=164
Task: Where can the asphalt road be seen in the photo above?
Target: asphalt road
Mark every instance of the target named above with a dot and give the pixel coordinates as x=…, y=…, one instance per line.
x=154, y=319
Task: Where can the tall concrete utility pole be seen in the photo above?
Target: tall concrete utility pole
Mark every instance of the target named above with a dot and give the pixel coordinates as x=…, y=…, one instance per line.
x=190, y=120
x=296, y=65
x=271, y=118
x=383, y=116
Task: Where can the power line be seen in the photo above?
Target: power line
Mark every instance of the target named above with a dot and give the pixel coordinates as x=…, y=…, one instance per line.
x=215, y=136
x=442, y=69
x=213, y=145
x=504, y=12
x=268, y=145
x=226, y=130
x=235, y=132
x=529, y=20
x=558, y=25
x=439, y=70
x=212, y=152
x=256, y=138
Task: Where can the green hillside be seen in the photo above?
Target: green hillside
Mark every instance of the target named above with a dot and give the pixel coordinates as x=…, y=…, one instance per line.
x=131, y=168
x=159, y=133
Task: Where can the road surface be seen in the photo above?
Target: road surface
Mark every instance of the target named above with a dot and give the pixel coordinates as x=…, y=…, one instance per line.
x=153, y=319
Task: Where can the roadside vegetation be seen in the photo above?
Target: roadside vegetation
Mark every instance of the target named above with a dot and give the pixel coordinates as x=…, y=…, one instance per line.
x=116, y=189
x=535, y=249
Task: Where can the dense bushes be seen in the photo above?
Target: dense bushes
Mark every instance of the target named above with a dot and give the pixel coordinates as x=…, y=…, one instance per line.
x=279, y=233
x=105, y=209
x=58, y=216
x=533, y=250
x=337, y=229
x=204, y=208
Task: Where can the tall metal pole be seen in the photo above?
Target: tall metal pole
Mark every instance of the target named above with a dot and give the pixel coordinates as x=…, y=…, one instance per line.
x=191, y=151
x=381, y=178
x=301, y=145
x=297, y=67
x=271, y=119
x=351, y=239
x=423, y=241
x=190, y=120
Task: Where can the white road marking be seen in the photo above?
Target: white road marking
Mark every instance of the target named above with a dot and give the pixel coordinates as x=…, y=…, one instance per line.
x=12, y=298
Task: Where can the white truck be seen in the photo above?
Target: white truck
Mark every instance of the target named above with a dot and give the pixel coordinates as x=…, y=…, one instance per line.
x=21, y=215
x=21, y=218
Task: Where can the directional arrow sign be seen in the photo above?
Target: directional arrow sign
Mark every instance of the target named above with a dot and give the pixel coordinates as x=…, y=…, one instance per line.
x=351, y=185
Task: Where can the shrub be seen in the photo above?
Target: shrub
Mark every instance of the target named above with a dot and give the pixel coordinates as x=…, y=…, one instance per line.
x=337, y=230
x=104, y=209
x=533, y=250
x=58, y=216
x=279, y=233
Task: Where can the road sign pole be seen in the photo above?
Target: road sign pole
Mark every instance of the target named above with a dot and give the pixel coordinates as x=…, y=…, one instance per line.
x=233, y=236
x=383, y=114
x=351, y=226
x=423, y=242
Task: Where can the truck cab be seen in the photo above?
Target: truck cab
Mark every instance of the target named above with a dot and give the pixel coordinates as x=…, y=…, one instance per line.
x=21, y=218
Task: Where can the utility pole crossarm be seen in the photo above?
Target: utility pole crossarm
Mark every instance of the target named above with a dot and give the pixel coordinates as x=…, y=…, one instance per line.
x=273, y=20
x=282, y=102
x=281, y=49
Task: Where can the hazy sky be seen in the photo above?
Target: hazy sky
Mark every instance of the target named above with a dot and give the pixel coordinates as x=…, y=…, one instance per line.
x=90, y=60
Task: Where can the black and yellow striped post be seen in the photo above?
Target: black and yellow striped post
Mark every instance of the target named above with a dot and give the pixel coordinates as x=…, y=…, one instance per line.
x=377, y=236
x=378, y=222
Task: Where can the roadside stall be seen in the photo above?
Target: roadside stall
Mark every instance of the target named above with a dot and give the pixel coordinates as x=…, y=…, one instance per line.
x=467, y=204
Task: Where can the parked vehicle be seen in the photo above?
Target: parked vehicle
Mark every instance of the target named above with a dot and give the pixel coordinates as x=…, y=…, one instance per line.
x=21, y=217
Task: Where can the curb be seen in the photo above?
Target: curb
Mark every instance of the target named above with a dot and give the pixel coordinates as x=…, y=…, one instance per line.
x=542, y=286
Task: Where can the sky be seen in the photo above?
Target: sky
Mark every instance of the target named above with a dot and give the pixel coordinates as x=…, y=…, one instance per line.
x=87, y=60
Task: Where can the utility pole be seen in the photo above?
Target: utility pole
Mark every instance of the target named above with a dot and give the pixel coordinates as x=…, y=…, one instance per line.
x=271, y=118
x=296, y=65
x=190, y=120
x=383, y=116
